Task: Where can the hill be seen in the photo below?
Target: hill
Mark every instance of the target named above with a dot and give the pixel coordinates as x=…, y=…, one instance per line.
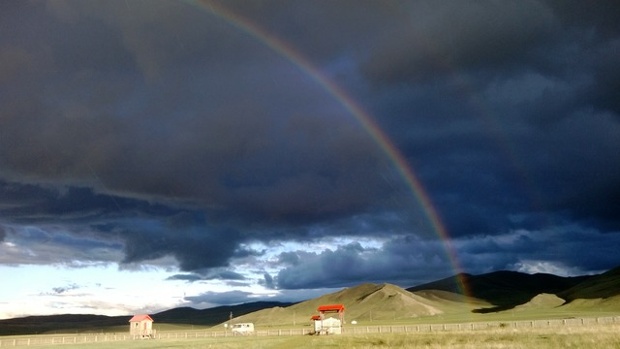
x=602, y=286
x=484, y=293
x=60, y=323
x=369, y=302
x=541, y=301
x=211, y=316
x=100, y=323
x=504, y=289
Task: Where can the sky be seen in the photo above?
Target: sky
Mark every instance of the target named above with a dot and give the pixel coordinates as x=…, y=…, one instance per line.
x=158, y=154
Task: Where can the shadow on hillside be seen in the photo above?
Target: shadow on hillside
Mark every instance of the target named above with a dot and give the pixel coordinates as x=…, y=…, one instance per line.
x=494, y=309
x=505, y=302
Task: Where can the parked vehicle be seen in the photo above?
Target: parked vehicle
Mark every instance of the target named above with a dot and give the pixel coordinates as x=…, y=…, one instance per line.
x=243, y=329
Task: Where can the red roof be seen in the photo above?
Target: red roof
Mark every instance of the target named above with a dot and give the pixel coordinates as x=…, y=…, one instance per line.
x=140, y=318
x=331, y=307
x=315, y=317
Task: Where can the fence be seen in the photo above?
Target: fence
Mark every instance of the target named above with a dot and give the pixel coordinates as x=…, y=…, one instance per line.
x=18, y=341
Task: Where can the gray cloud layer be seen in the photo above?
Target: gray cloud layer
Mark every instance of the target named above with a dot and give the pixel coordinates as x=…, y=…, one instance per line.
x=154, y=129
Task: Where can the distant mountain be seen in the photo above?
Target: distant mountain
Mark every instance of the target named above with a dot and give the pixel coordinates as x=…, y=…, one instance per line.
x=60, y=323
x=100, y=323
x=604, y=285
x=504, y=289
x=212, y=316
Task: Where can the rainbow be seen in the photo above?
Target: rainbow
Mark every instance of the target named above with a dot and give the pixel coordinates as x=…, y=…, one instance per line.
x=365, y=119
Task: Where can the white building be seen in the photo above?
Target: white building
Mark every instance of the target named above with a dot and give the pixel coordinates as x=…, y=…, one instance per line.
x=328, y=326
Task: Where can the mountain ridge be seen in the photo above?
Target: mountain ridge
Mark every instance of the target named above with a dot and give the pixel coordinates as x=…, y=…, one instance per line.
x=504, y=289
x=486, y=293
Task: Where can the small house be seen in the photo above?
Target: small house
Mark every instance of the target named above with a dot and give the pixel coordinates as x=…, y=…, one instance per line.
x=328, y=326
x=141, y=326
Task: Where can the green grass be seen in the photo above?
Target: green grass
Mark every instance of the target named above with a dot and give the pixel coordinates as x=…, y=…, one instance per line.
x=600, y=336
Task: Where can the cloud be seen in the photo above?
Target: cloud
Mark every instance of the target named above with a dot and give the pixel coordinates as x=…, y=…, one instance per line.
x=53, y=245
x=528, y=250
x=268, y=281
x=221, y=298
x=210, y=274
x=480, y=37
x=240, y=297
x=166, y=135
x=351, y=264
x=64, y=289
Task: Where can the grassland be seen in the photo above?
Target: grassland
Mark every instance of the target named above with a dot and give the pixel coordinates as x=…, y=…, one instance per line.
x=599, y=336
x=427, y=318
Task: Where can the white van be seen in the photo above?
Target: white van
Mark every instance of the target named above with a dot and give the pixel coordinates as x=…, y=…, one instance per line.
x=243, y=329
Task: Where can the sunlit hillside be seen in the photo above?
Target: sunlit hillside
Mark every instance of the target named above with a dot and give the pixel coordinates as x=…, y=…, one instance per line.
x=508, y=295
x=371, y=302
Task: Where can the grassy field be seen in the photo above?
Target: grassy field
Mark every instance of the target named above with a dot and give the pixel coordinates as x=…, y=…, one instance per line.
x=386, y=317
x=600, y=336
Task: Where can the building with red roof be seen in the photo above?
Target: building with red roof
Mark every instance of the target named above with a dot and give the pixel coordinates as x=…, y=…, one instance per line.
x=141, y=326
x=329, y=325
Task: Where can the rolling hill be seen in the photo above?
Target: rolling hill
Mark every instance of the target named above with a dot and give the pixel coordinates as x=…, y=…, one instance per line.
x=101, y=323
x=604, y=285
x=370, y=302
x=486, y=293
x=503, y=289
x=210, y=316
x=541, y=301
x=60, y=323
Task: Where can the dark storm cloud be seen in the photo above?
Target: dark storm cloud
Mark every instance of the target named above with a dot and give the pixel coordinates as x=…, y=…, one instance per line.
x=57, y=244
x=409, y=261
x=523, y=249
x=211, y=274
x=268, y=281
x=480, y=35
x=497, y=99
x=125, y=135
x=162, y=129
x=134, y=120
x=239, y=297
x=351, y=264
x=530, y=127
